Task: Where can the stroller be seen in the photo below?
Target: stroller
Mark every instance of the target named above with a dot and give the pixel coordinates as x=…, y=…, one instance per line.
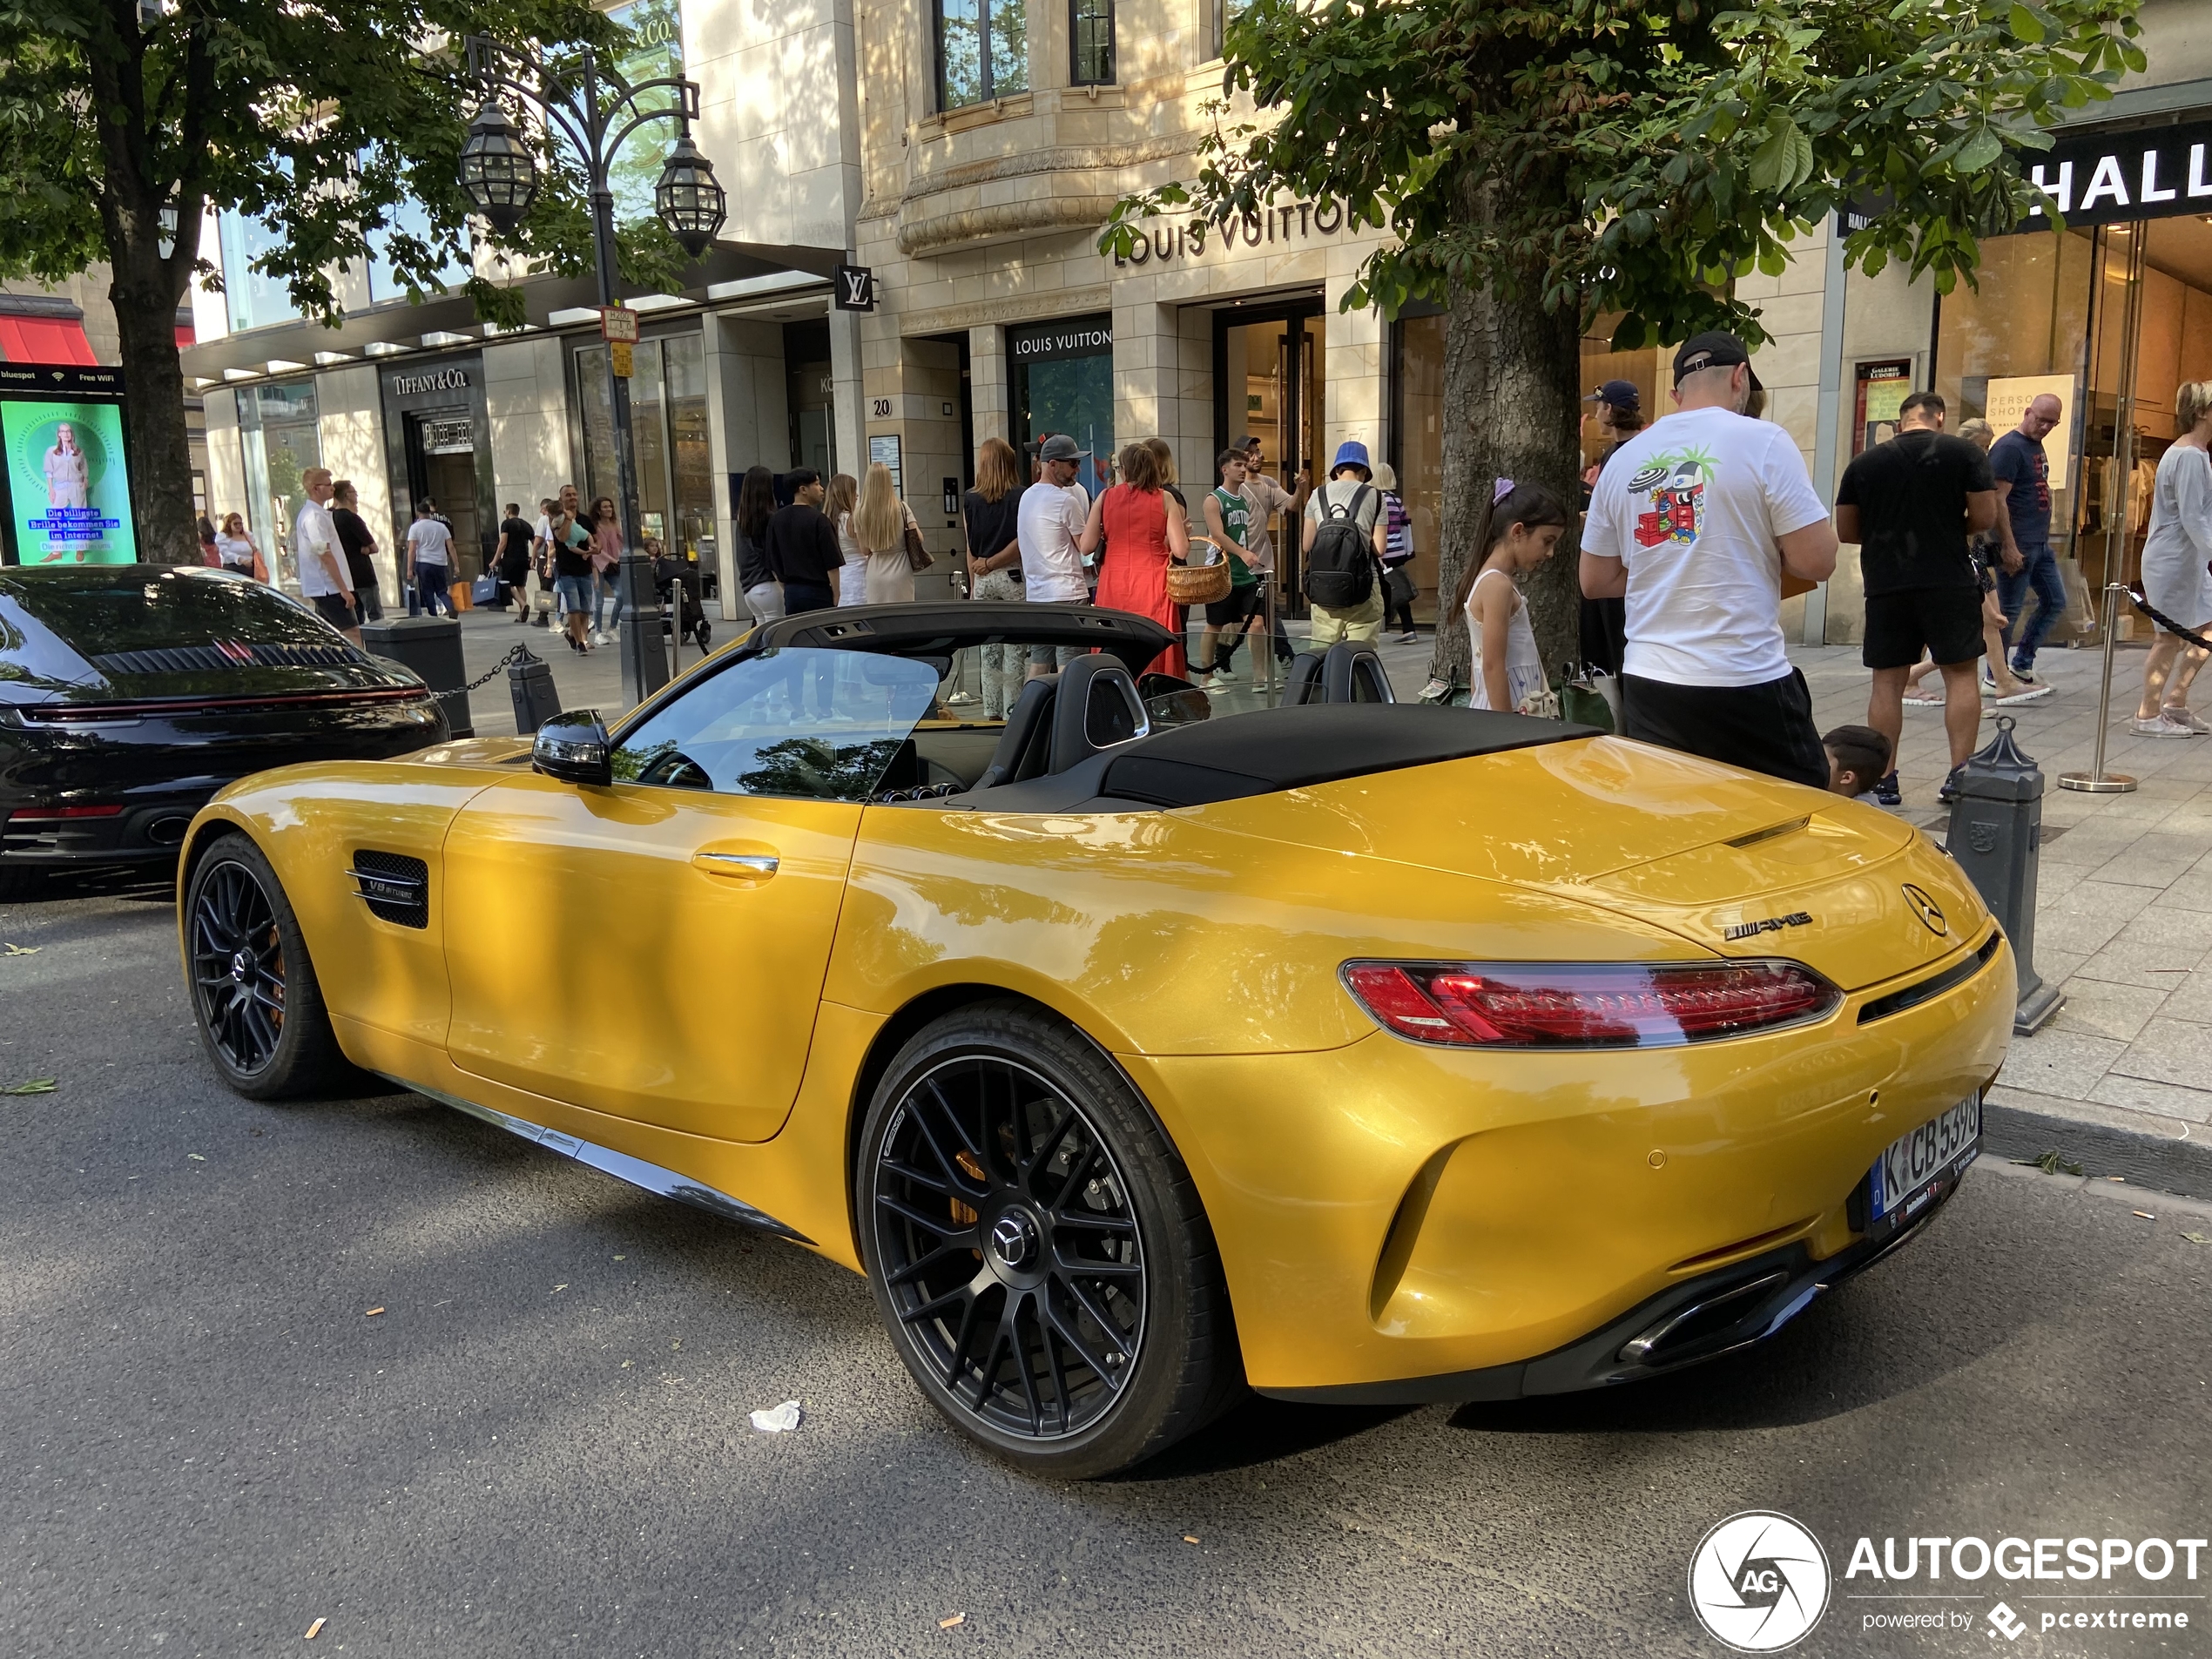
x=668, y=572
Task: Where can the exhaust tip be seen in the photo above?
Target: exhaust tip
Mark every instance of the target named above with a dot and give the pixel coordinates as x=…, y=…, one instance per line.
x=170, y=831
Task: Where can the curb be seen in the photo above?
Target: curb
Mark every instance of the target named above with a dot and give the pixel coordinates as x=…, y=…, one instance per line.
x=2152, y=1161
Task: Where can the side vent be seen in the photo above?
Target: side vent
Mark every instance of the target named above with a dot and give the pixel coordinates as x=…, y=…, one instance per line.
x=394, y=887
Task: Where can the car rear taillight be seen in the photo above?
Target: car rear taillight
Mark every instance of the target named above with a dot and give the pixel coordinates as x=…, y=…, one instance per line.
x=1586, y=1005
x=57, y=814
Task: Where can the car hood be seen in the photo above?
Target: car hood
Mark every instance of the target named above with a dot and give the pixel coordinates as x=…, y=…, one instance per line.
x=1742, y=865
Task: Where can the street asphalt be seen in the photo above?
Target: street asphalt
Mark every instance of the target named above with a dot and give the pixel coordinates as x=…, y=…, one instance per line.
x=540, y=1444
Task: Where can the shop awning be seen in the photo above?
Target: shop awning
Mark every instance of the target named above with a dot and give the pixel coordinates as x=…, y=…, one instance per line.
x=43, y=328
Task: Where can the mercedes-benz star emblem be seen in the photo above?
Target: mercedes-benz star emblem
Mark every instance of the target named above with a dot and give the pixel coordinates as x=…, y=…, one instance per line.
x=240, y=965
x=1927, y=910
x=1010, y=1240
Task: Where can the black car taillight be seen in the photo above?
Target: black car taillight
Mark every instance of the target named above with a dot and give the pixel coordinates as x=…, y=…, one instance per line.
x=1586, y=1005
x=58, y=815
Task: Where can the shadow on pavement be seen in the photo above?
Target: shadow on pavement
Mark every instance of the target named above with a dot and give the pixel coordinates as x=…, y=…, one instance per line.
x=1262, y=1431
x=156, y=883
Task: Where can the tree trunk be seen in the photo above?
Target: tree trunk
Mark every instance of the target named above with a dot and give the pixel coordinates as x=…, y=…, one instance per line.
x=153, y=411
x=1512, y=403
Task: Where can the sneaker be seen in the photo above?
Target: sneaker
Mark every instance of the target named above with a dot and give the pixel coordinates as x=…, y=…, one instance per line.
x=2025, y=694
x=2025, y=673
x=1988, y=681
x=2195, y=723
x=1949, y=792
x=2158, y=726
x=1887, y=793
x=1409, y=637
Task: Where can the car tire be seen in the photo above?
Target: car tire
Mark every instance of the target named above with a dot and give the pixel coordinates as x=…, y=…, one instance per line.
x=1009, y=1177
x=255, y=999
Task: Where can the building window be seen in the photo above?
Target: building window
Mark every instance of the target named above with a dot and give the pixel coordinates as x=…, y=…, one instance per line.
x=1224, y=13
x=280, y=438
x=1090, y=28
x=982, y=51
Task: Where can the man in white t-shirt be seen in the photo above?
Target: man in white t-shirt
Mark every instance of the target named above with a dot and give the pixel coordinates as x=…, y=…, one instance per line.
x=1694, y=521
x=429, y=557
x=1053, y=513
x=325, y=582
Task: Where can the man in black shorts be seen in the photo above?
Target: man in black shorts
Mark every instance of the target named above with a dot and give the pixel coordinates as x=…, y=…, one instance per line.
x=1912, y=504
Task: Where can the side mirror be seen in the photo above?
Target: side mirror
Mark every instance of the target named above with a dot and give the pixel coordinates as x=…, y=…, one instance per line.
x=575, y=748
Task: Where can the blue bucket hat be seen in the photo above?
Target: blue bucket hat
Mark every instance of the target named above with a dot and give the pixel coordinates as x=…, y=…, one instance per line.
x=1351, y=453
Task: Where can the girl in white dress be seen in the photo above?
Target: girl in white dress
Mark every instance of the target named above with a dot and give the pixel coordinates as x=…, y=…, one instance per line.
x=1526, y=523
x=2176, y=579
x=852, y=581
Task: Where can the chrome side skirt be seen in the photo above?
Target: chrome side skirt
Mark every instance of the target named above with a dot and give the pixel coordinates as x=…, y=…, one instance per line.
x=651, y=1177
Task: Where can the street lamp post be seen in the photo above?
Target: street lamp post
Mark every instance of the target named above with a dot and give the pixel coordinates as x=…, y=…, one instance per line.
x=597, y=110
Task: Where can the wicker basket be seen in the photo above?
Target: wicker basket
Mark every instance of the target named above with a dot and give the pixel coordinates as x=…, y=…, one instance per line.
x=1202, y=581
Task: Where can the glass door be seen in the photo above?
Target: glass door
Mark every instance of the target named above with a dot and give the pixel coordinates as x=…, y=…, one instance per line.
x=1269, y=386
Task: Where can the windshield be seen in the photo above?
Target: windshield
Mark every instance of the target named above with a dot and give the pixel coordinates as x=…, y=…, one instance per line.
x=148, y=608
x=827, y=725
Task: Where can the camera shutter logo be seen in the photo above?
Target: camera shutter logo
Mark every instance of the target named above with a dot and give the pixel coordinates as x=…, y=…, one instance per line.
x=1759, y=1581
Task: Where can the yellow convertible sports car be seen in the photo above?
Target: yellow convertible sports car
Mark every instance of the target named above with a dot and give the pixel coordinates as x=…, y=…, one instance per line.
x=1139, y=1050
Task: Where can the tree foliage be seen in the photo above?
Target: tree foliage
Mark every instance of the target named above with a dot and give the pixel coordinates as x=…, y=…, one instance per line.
x=323, y=120
x=1632, y=158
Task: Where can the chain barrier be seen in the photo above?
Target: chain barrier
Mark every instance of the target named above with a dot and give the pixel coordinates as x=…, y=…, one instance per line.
x=520, y=654
x=2136, y=598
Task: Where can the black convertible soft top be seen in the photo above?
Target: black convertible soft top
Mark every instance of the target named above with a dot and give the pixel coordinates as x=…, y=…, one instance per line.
x=1270, y=749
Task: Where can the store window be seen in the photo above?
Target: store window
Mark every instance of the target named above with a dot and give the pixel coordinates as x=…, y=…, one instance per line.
x=667, y=427
x=1091, y=30
x=982, y=51
x=277, y=432
x=1062, y=376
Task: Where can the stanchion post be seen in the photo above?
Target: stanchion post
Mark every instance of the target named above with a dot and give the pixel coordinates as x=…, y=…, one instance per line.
x=530, y=683
x=2097, y=780
x=1996, y=836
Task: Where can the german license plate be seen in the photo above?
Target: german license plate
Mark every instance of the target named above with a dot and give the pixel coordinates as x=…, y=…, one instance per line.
x=1918, y=1168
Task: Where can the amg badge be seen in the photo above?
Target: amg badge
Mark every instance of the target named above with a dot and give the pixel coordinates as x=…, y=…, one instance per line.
x=1770, y=925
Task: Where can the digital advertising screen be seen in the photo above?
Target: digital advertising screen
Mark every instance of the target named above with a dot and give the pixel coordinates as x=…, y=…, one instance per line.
x=68, y=484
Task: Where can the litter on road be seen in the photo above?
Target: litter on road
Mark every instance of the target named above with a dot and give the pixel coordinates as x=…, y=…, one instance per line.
x=780, y=1420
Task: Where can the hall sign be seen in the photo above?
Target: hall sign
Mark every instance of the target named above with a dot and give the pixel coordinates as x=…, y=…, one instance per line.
x=1292, y=222
x=2154, y=172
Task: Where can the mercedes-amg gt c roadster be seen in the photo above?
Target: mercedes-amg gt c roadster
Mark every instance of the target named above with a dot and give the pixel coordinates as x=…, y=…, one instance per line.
x=1136, y=1049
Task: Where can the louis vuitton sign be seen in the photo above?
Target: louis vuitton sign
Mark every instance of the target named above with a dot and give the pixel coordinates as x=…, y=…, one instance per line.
x=1160, y=240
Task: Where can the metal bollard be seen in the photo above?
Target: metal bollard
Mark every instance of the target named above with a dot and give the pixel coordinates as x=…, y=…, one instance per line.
x=1996, y=836
x=2097, y=780
x=529, y=682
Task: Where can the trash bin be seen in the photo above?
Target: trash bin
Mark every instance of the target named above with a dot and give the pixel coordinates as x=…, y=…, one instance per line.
x=431, y=646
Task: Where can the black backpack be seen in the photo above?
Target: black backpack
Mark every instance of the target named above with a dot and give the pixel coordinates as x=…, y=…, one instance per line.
x=1340, y=565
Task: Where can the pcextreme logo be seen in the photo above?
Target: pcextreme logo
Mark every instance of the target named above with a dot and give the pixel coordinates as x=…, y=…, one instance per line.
x=1759, y=1581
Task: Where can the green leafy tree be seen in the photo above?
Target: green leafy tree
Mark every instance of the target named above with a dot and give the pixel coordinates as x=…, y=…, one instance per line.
x=1543, y=166
x=320, y=121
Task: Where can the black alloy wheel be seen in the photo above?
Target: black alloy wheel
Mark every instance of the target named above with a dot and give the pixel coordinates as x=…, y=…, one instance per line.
x=255, y=998
x=238, y=967
x=1038, y=1251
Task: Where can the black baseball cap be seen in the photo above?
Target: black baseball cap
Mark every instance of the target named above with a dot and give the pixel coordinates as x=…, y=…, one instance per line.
x=1619, y=394
x=1714, y=349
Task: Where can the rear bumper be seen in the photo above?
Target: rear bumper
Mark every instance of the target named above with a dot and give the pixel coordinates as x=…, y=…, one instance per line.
x=1720, y=1313
x=144, y=832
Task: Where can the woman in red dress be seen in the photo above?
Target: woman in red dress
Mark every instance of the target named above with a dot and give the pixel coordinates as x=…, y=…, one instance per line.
x=1144, y=530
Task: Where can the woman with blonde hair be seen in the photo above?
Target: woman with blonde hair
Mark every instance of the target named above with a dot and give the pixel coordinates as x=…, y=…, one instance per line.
x=880, y=525
x=993, y=511
x=1143, y=529
x=839, y=497
x=2177, y=569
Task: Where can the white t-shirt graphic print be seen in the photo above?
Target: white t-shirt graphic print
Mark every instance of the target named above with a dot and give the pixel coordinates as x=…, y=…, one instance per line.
x=1692, y=506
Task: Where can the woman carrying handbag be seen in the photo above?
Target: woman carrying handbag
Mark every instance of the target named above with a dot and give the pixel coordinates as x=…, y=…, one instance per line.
x=884, y=529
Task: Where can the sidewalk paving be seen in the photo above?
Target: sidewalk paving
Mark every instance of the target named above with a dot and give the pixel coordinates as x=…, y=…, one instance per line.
x=2122, y=1078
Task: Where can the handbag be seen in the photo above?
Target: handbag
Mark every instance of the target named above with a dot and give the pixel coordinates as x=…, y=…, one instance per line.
x=918, y=557
x=1203, y=581
x=483, y=590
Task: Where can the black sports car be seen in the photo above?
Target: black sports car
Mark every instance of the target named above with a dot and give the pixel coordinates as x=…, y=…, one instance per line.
x=130, y=694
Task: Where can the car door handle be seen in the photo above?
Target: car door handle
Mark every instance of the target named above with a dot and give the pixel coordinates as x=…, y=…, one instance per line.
x=746, y=866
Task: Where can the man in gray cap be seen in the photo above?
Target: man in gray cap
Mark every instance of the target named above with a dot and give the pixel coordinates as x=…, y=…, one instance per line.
x=1054, y=510
x=1694, y=521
